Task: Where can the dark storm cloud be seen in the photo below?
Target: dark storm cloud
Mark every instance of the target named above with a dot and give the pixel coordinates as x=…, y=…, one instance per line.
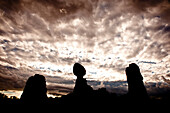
x=10, y=5
x=166, y=80
x=54, y=9
x=66, y=7
x=143, y=4
x=2, y=32
x=162, y=7
x=12, y=78
x=37, y=16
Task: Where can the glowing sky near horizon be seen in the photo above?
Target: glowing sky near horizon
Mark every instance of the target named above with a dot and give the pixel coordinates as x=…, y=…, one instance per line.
x=103, y=35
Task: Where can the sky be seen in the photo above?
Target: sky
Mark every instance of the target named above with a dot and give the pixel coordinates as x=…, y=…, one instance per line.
x=48, y=36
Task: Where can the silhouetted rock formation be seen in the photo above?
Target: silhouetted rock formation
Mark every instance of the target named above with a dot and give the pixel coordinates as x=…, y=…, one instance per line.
x=136, y=88
x=35, y=90
x=81, y=88
x=35, y=93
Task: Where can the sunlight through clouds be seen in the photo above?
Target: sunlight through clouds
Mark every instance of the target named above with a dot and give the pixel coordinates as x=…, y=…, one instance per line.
x=104, y=36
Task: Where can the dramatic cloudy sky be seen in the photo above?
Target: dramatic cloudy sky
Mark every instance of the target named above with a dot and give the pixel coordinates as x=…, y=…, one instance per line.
x=49, y=36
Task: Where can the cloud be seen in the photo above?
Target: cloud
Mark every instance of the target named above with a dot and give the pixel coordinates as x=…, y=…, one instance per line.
x=105, y=36
x=157, y=88
x=153, y=8
x=9, y=5
x=166, y=80
x=12, y=78
x=58, y=80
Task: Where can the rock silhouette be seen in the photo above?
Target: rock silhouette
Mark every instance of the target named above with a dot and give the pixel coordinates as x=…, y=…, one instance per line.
x=136, y=88
x=81, y=87
x=35, y=90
